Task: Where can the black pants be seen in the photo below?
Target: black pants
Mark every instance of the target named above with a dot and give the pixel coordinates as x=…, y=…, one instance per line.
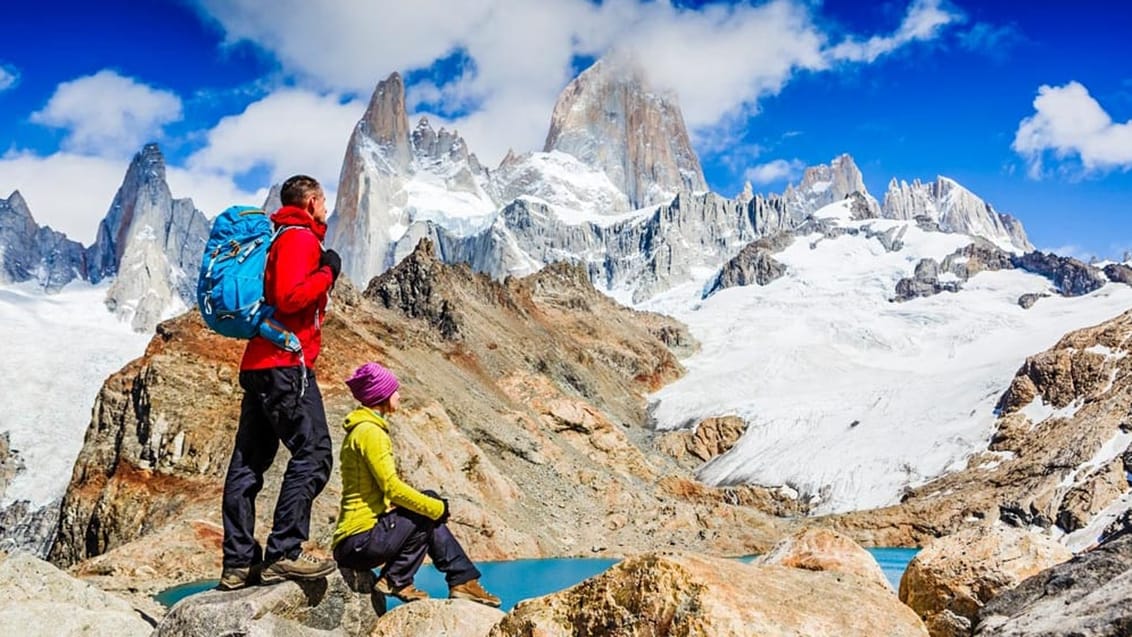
x=276, y=408
x=400, y=540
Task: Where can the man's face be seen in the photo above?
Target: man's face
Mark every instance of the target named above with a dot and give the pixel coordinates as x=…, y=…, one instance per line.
x=316, y=206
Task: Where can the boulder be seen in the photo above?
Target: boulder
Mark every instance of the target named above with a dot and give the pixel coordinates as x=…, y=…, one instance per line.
x=816, y=549
x=710, y=438
x=663, y=594
x=1085, y=597
x=438, y=618
x=319, y=607
x=953, y=577
x=34, y=594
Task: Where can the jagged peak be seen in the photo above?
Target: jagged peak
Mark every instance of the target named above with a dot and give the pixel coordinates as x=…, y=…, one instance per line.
x=149, y=162
x=16, y=201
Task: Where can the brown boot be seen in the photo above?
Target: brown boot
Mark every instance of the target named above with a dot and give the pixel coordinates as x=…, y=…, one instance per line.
x=471, y=590
x=406, y=593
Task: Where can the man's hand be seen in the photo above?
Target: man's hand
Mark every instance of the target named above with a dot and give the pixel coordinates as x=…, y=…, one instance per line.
x=331, y=259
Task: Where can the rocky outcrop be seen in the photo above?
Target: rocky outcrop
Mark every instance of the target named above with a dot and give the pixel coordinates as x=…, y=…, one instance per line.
x=955, y=209
x=924, y=282
x=23, y=527
x=684, y=594
x=815, y=549
x=150, y=243
x=319, y=607
x=754, y=264
x=439, y=618
x=1118, y=273
x=537, y=404
x=38, y=599
x=822, y=185
x=610, y=118
x=953, y=577
x=31, y=253
x=1070, y=276
x=711, y=437
x=1060, y=429
x=1085, y=596
x=375, y=202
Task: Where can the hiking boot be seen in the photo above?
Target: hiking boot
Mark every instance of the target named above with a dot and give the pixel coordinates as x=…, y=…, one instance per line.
x=236, y=577
x=303, y=567
x=471, y=590
x=359, y=581
x=406, y=593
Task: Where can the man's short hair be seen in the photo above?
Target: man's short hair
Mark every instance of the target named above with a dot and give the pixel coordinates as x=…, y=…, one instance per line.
x=296, y=190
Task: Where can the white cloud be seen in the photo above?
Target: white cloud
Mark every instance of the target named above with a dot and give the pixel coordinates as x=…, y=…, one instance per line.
x=211, y=193
x=924, y=20
x=1069, y=124
x=71, y=193
x=288, y=132
x=9, y=77
x=775, y=171
x=719, y=59
x=107, y=113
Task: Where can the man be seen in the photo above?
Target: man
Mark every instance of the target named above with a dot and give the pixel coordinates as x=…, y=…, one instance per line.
x=282, y=403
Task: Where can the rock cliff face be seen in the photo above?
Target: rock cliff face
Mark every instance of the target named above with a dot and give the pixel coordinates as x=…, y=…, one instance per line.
x=611, y=119
x=536, y=403
x=1057, y=457
x=392, y=177
x=955, y=209
x=31, y=253
x=150, y=243
x=824, y=184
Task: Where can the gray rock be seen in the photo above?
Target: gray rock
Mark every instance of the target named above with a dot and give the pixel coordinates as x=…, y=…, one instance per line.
x=273, y=202
x=953, y=208
x=31, y=253
x=823, y=184
x=1028, y=300
x=754, y=264
x=438, y=618
x=150, y=243
x=1118, y=273
x=611, y=119
x=1070, y=276
x=320, y=607
x=23, y=527
x=1086, y=597
x=37, y=599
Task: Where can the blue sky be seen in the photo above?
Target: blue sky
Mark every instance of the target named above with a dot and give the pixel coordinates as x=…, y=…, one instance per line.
x=1029, y=106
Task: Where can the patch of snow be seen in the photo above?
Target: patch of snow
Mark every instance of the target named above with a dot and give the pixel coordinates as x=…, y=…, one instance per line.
x=823, y=346
x=1084, y=538
x=1037, y=410
x=58, y=350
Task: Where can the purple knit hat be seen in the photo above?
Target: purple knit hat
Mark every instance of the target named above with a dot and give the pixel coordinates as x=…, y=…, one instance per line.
x=372, y=384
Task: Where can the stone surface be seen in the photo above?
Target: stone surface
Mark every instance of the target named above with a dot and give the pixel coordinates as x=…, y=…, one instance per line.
x=539, y=407
x=659, y=595
x=815, y=549
x=36, y=599
x=31, y=253
x=711, y=437
x=318, y=607
x=438, y=618
x=754, y=264
x=955, y=209
x=824, y=184
x=150, y=244
x=1070, y=276
x=953, y=577
x=1084, y=597
x=610, y=118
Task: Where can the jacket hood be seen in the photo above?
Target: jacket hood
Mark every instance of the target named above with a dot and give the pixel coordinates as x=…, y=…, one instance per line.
x=292, y=216
x=363, y=414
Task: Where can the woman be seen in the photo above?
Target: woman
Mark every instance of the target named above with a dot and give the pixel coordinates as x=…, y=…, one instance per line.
x=384, y=521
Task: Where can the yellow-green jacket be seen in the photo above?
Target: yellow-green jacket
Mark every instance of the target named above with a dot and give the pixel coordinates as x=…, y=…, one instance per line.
x=370, y=485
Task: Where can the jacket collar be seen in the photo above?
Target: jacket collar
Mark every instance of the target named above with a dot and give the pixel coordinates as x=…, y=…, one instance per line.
x=293, y=216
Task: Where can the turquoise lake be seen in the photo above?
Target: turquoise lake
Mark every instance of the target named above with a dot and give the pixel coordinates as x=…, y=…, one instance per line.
x=516, y=580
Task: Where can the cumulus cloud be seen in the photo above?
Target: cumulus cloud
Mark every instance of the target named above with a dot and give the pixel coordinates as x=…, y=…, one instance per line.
x=775, y=171
x=107, y=113
x=719, y=59
x=287, y=132
x=9, y=77
x=924, y=20
x=1070, y=125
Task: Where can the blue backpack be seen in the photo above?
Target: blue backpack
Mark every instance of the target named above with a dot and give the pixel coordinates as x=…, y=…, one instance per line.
x=230, y=286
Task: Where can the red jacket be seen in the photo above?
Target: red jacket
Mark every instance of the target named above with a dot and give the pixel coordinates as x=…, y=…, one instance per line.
x=297, y=287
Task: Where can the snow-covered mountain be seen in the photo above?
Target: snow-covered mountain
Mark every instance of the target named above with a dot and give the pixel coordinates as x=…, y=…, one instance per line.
x=955, y=209
x=29, y=252
x=825, y=184
x=611, y=119
x=150, y=244
x=849, y=396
